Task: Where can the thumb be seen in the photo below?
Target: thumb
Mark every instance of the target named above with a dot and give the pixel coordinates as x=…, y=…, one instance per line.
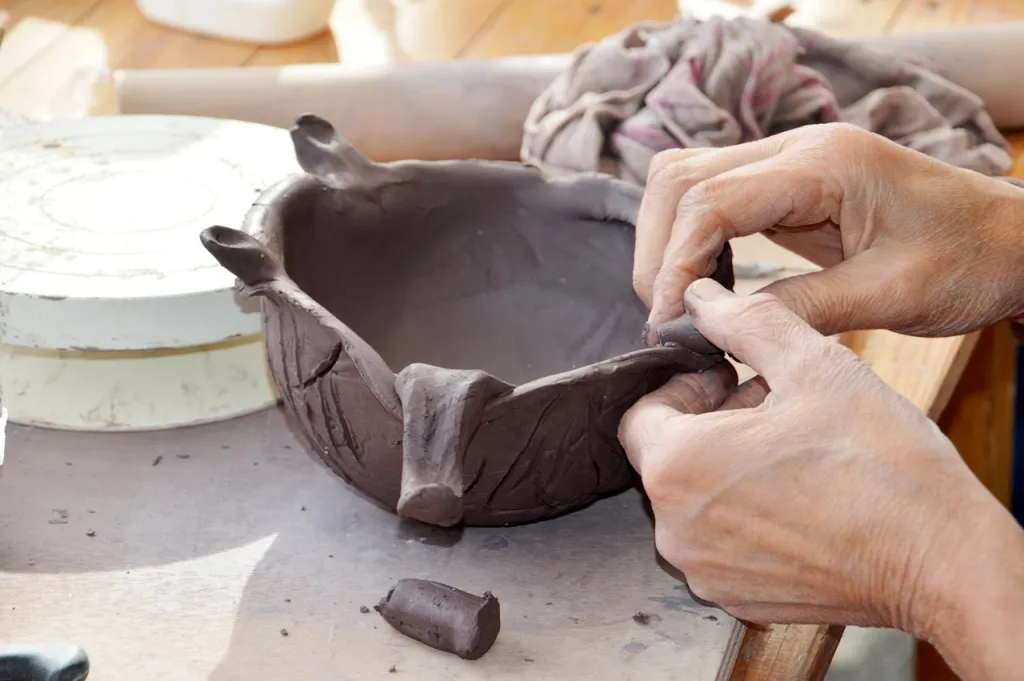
x=760, y=331
x=859, y=293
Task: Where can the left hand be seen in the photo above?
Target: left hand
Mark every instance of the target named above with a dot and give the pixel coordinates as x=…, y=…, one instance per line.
x=813, y=493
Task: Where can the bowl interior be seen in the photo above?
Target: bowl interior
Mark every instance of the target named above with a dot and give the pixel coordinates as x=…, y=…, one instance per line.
x=469, y=273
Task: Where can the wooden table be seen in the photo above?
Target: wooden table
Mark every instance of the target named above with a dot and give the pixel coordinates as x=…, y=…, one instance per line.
x=56, y=53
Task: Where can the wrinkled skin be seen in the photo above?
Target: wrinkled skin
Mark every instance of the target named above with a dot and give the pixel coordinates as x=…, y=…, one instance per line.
x=909, y=243
x=814, y=492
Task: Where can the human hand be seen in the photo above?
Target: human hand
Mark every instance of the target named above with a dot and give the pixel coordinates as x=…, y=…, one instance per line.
x=814, y=493
x=909, y=243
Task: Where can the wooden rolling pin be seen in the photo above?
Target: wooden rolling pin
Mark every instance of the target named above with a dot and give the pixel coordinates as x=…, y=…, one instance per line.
x=476, y=109
x=431, y=111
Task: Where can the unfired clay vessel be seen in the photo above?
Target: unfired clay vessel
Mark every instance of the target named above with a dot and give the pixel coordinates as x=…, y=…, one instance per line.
x=502, y=298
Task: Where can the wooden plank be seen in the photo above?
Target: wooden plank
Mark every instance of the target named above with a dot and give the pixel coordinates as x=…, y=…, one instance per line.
x=544, y=27
x=980, y=416
x=847, y=17
x=924, y=370
x=786, y=652
x=32, y=25
x=373, y=32
x=111, y=35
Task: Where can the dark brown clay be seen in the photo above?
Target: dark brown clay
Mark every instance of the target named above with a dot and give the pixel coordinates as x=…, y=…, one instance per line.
x=502, y=297
x=443, y=617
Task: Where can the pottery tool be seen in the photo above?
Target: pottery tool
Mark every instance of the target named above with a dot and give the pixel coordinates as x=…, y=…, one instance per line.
x=112, y=315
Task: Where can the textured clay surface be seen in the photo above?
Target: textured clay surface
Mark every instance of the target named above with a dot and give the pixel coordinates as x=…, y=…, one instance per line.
x=503, y=300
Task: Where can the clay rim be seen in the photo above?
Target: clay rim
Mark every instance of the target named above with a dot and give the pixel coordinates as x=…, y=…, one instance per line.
x=265, y=223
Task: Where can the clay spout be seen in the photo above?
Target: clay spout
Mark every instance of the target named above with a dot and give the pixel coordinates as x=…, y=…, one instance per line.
x=442, y=409
x=242, y=255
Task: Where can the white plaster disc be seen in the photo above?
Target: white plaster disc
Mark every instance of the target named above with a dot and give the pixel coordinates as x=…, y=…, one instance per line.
x=100, y=222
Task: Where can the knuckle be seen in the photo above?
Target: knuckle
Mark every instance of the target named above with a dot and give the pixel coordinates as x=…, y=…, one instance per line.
x=671, y=171
x=659, y=480
x=711, y=224
x=843, y=136
x=670, y=542
x=701, y=193
x=660, y=174
x=661, y=476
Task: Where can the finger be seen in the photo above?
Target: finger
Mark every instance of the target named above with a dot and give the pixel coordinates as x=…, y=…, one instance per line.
x=743, y=201
x=645, y=425
x=760, y=331
x=672, y=174
x=657, y=213
x=697, y=393
x=864, y=292
x=750, y=394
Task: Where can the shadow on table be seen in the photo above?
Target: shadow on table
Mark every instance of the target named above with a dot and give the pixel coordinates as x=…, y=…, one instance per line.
x=77, y=503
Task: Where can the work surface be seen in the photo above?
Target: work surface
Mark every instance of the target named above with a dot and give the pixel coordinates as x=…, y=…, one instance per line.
x=49, y=66
x=225, y=552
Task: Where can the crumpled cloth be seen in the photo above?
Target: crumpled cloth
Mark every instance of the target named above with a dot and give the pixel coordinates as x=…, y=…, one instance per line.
x=719, y=82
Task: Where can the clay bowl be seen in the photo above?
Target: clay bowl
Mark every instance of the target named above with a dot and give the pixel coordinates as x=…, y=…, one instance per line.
x=502, y=298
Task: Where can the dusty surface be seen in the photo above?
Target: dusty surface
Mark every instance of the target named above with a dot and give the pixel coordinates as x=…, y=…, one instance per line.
x=225, y=552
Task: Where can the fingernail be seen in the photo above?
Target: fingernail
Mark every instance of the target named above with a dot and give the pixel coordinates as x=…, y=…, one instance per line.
x=650, y=338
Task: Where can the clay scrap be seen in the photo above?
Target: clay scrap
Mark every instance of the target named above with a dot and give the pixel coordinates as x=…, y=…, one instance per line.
x=682, y=332
x=443, y=617
x=456, y=339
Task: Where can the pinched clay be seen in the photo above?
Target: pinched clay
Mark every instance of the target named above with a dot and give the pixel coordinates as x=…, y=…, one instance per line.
x=503, y=299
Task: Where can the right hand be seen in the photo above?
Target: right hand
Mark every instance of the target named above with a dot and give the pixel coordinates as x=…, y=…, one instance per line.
x=908, y=243
x=817, y=494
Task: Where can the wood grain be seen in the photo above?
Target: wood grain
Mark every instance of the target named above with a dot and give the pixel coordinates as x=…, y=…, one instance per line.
x=847, y=17
x=375, y=32
x=33, y=26
x=544, y=27
x=786, y=652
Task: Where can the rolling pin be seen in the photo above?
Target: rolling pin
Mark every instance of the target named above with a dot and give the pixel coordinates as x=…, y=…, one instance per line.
x=476, y=109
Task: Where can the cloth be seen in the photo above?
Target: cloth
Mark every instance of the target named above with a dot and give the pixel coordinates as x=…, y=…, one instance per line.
x=720, y=82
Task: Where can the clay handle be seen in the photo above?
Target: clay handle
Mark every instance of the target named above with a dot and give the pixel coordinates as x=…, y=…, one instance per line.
x=321, y=151
x=242, y=255
x=441, y=409
x=43, y=663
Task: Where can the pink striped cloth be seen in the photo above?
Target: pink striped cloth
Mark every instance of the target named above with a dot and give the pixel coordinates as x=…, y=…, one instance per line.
x=719, y=82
